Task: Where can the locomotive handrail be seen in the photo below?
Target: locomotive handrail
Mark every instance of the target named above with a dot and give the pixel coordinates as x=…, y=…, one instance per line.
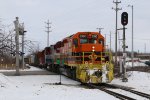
x=83, y=57
x=99, y=57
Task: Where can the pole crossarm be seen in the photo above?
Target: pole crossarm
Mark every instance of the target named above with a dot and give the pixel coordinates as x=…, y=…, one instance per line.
x=99, y=29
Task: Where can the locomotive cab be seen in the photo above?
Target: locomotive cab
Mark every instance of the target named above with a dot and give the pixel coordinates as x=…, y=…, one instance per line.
x=84, y=42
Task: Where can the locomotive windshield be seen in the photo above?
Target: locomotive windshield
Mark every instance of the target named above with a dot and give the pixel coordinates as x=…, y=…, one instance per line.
x=92, y=39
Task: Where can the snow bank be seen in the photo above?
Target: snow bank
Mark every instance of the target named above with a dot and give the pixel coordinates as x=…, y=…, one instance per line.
x=137, y=63
x=31, y=68
x=40, y=87
x=138, y=80
x=4, y=81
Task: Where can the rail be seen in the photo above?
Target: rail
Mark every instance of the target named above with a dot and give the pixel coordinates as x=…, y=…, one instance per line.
x=117, y=95
x=131, y=90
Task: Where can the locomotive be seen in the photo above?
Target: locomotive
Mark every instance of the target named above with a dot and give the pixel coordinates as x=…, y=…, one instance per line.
x=81, y=56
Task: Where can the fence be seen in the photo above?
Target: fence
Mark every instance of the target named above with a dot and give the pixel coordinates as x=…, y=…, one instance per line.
x=7, y=66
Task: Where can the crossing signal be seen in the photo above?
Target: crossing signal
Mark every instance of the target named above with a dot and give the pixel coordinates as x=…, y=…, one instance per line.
x=124, y=18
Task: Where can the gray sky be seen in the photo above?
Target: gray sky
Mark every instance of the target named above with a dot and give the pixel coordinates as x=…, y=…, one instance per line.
x=71, y=16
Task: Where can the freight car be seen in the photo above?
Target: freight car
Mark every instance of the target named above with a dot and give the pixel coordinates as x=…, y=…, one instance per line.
x=82, y=56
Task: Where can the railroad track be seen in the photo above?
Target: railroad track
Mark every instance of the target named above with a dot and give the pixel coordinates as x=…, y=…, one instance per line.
x=117, y=95
x=130, y=90
x=107, y=88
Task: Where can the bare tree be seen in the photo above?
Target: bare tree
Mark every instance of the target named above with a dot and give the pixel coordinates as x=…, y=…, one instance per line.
x=8, y=45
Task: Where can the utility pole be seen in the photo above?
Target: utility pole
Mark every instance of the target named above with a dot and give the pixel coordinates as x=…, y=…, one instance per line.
x=22, y=33
x=124, y=56
x=16, y=23
x=120, y=60
x=105, y=43
x=11, y=48
x=124, y=22
x=116, y=9
x=99, y=30
x=145, y=48
x=48, y=31
x=110, y=42
x=23, y=49
x=132, y=53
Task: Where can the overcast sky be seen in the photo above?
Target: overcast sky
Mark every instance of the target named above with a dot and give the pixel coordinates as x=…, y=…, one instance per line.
x=71, y=16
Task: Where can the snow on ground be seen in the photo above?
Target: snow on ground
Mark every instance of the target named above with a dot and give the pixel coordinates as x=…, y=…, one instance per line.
x=136, y=63
x=31, y=68
x=138, y=80
x=129, y=64
x=40, y=87
x=4, y=81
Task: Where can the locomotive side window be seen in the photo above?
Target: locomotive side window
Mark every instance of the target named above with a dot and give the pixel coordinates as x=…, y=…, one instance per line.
x=75, y=42
x=101, y=41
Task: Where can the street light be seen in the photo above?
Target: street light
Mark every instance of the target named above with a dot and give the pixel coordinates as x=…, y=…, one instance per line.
x=132, y=54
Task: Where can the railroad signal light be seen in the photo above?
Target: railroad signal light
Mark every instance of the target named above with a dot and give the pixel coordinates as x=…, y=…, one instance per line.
x=124, y=18
x=21, y=53
x=13, y=53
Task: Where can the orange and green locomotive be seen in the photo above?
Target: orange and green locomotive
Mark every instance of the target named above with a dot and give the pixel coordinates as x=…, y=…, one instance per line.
x=82, y=56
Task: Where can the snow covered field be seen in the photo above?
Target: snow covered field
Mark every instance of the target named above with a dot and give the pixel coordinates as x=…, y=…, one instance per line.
x=138, y=80
x=40, y=87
